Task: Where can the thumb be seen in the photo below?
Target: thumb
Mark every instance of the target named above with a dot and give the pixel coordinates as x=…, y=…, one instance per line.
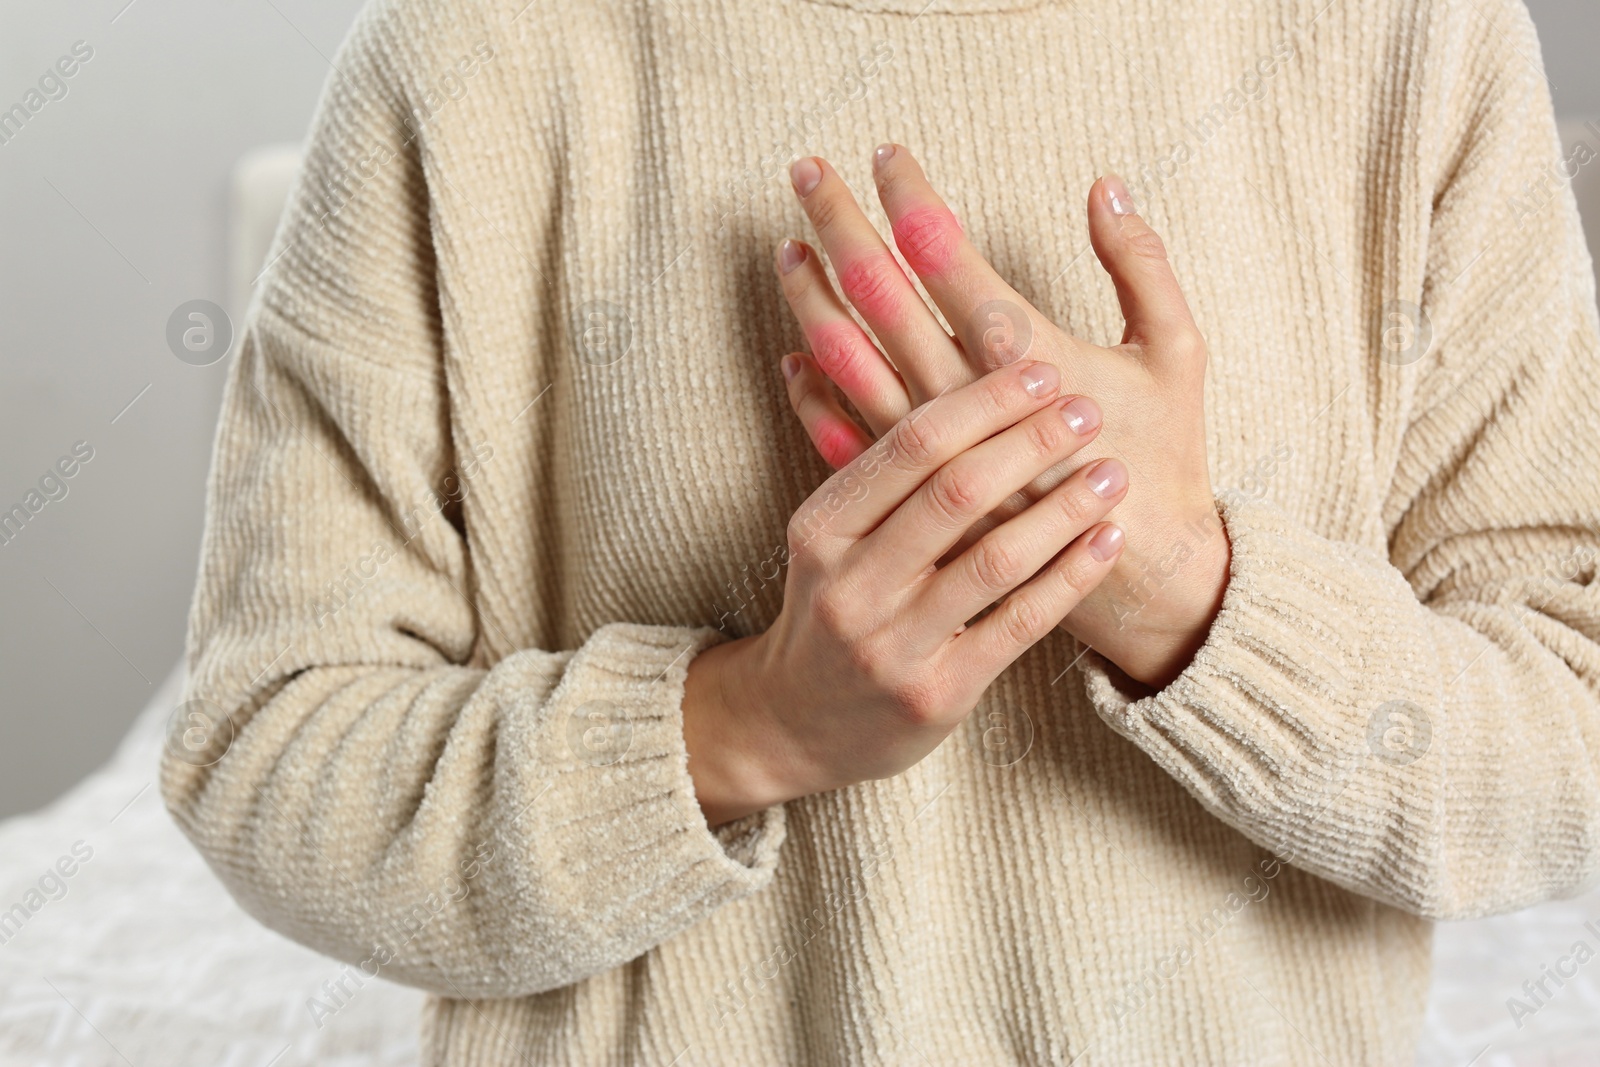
x=1133, y=254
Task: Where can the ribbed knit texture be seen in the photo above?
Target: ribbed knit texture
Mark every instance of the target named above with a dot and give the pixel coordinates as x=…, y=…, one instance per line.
x=505, y=444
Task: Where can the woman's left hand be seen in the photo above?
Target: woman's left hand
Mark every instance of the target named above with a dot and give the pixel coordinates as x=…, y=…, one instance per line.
x=1156, y=608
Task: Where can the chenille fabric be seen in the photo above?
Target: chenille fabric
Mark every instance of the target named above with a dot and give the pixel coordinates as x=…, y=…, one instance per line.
x=505, y=445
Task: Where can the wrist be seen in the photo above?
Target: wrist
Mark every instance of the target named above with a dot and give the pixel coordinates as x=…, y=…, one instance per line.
x=727, y=734
x=1192, y=603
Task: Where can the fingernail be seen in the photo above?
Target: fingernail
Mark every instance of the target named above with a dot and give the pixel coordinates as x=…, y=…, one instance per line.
x=1107, y=478
x=1041, y=379
x=1104, y=544
x=790, y=365
x=805, y=174
x=1082, y=415
x=882, y=154
x=790, y=255
x=1121, y=202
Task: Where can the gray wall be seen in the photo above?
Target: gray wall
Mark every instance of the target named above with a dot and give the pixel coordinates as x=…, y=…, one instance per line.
x=1569, y=34
x=114, y=201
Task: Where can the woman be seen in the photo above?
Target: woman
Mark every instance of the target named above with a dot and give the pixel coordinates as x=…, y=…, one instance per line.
x=1126, y=705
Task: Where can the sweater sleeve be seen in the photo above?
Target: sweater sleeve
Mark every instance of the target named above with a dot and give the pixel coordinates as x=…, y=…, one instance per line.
x=1422, y=726
x=357, y=775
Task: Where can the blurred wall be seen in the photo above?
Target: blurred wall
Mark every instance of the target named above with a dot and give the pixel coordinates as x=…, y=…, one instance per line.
x=113, y=205
x=114, y=199
x=1569, y=36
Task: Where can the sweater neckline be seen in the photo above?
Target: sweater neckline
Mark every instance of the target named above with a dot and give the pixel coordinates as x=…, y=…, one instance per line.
x=932, y=7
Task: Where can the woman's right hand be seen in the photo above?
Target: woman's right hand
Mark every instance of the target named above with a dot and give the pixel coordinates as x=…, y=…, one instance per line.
x=875, y=656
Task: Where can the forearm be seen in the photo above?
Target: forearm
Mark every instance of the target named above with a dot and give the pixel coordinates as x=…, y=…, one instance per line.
x=360, y=806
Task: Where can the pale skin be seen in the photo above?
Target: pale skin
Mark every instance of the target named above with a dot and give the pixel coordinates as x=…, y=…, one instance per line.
x=977, y=495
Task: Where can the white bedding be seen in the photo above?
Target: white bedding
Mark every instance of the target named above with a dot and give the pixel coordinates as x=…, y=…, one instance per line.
x=146, y=961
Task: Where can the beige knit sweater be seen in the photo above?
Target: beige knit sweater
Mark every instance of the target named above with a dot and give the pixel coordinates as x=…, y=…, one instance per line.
x=506, y=444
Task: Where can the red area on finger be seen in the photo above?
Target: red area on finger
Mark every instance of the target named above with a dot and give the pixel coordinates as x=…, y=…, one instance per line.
x=838, y=349
x=928, y=237
x=875, y=284
x=838, y=441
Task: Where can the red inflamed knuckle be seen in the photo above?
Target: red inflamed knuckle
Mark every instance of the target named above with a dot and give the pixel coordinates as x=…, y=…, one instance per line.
x=928, y=238
x=874, y=285
x=838, y=350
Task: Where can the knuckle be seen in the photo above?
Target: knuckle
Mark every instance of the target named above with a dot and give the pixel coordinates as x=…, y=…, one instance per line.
x=831, y=608
x=916, y=440
x=994, y=565
x=1075, y=507
x=1147, y=243
x=796, y=536
x=824, y=208
x=919, y=701
x=838, y=352
x=1078, y=576
x=956, y=493
x=888, y=182
x=874, y=659
x=1020, y=620
x=1188, y=345
x=872, y=284
x=867, y=657
x=810, y=405
x=998, y=395
x=805, y=526
x=927, y=238
x=1045, y=435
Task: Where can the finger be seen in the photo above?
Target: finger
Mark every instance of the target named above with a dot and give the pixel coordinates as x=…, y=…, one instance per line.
x=842, y=349
x=994, y=323
x=970, y=486
x=1016, y=550
x=1022, y=619
x=836, y=437
x=1133, y=254
x=925, y=355
x=856, y=499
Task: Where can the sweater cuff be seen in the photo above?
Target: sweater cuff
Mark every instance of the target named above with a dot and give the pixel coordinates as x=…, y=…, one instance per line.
x=1271, y=688
x=623, y=829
